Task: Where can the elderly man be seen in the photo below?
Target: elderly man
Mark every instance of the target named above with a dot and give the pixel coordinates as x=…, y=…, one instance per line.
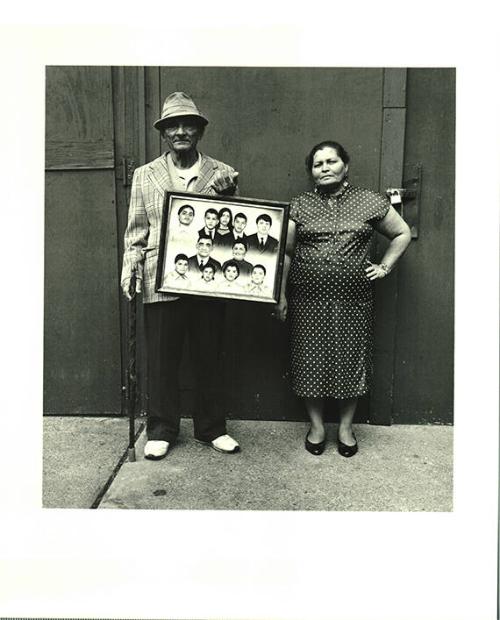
x=168, y=319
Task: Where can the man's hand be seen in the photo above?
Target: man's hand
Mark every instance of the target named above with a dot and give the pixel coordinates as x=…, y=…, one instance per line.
x=131, y=286
x=224, y=181
x=281, y=309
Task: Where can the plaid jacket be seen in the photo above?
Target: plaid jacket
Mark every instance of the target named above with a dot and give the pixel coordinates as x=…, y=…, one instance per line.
x=142, y=235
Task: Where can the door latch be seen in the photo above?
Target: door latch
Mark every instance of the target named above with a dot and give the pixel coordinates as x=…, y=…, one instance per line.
x=406, y=199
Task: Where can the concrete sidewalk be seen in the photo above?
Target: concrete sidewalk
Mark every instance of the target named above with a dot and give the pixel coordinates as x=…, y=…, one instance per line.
x=398, y=468
x=80, y=456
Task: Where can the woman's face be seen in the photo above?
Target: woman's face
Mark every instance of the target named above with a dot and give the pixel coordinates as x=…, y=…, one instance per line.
x=239, y=251
x=225, y=218
x=327, y=167
x=231, y=273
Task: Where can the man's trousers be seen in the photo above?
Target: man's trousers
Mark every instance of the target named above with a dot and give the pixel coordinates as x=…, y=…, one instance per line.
x=167, y=325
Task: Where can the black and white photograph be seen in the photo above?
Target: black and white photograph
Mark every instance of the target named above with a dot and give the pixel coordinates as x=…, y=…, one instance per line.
x=255, y=333
x=218, y=247
x=334, y=223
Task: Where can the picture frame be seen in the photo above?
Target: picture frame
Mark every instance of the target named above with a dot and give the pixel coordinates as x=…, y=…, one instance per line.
x=201, y=252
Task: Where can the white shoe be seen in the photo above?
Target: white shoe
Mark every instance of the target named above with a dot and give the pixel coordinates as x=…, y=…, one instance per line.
x=155, y=449
x=226, y=444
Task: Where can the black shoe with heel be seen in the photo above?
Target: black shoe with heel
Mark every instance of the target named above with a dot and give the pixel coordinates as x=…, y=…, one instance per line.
x=345, y=450
x=315, y=448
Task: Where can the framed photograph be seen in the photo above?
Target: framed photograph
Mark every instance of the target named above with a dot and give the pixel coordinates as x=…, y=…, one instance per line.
x=223, y=247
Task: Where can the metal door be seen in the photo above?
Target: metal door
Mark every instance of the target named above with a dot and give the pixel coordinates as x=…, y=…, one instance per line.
x=263, y=121
x=424, y=345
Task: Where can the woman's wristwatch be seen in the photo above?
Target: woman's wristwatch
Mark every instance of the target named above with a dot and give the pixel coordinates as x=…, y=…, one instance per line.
x=384, y=268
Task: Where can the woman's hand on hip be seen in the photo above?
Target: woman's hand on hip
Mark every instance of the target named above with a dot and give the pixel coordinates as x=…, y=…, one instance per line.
x=375, y=271
x=281, y=309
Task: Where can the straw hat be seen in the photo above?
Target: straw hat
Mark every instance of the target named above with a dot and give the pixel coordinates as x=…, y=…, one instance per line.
x=178, y=104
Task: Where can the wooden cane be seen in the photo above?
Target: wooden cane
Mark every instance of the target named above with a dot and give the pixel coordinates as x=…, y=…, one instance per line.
x=131, y=391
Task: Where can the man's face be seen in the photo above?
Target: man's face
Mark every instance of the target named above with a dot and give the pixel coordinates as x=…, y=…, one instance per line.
x=208, y=274
x=257, y=275
x=182, y=134
x=186, y=216
x=239, y=251
x=204, y=247
x=211, y=220
x=239, y=224
x=231, y=273
x=181, y=266
x=263, y=227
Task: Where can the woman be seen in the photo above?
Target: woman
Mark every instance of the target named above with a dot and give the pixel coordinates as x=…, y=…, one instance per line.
x=330, y=289
x=225, y=226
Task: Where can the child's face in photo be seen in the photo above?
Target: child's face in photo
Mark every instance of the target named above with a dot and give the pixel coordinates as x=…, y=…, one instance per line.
x=263, y=227
x=181, y=266
x=239, y=224
x=257, y=276
x=204, y=247
x=186, y=216
x=231, y=273
x=208, y=274
x=211, y=220
x=239, y=251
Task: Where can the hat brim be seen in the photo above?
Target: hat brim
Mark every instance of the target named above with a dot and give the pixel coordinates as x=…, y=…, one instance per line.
x=161, y=121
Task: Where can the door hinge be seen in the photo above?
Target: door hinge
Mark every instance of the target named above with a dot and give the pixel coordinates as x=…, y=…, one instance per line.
x=128, y=168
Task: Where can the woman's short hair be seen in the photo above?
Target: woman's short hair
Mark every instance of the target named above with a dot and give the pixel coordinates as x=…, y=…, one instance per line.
x=231, y=263
x=241, y=242
x=341, y=152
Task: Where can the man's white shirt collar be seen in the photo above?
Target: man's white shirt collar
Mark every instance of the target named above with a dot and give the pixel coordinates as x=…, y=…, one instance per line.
x=183, y=177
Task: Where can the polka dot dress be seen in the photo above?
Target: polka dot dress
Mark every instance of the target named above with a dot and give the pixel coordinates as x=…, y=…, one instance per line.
x=330, y=297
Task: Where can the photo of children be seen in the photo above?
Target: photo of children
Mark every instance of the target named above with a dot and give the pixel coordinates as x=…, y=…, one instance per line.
x=230, y=284
x=239, y=225
x=257, y=285
x=207, y=281
x=231, y=250
x=178, y=278
x=183, y=232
